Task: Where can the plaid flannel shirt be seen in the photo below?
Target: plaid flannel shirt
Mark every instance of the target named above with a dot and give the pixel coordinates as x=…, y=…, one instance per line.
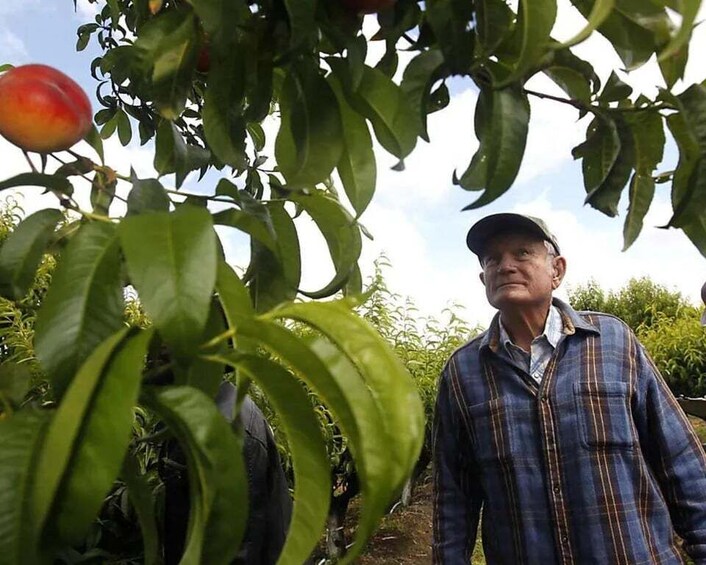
x=595, y=464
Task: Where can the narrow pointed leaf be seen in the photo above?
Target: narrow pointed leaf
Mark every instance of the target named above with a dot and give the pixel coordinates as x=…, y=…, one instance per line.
x=302, y=25
x=534, y=24
x=391, y=385
x=274, y=277
x=387, y=107
x=142, y=499
x=84, y=304
x=56, y=452
x=606, y=196
x=56, y=184
x=98, y=412
x=233, y=295
x=147, y=195
x=172, y=260
x=224, y=126
x=218, y=484
x=312, y=475
x=689, y=11
x=309, y=143
x=495, y=21
x=20, y=441
x=642, y=190
x=341, y=234
x=599, y=151
x=21, y=252
x=449, y=19
x=342, y=388
x=417, y=82
x=503, y=143
x=599, y=12
x=356, y=167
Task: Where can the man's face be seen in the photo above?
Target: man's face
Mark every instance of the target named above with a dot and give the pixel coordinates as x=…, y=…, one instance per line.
x=519, y=272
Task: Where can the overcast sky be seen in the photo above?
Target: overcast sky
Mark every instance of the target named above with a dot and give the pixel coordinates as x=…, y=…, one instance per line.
x=416, y=217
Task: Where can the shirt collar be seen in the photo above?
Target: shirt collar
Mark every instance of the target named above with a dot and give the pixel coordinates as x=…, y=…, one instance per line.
x=570, y=322
x=553, y=329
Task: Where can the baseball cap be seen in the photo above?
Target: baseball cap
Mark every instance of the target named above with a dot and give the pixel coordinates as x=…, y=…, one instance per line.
x=492, y=225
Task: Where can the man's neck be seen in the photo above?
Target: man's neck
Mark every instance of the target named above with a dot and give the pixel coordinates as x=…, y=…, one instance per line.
x=523, y=325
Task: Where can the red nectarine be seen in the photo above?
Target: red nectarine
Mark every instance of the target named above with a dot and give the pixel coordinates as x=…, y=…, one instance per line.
x=42, y=109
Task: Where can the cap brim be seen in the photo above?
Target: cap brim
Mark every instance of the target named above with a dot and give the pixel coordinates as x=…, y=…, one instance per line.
x=484, y=229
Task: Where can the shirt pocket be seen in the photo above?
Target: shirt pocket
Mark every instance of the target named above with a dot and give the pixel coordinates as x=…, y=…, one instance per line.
x=490, y=432
x=604, y=415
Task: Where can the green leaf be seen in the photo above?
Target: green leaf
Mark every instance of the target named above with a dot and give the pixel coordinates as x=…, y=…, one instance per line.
x=302, y=25
x=20, y=440
x=417, y=82
x=89, y=434
x=495, y=20
x=170, y=149
x=223, y=123
x=142, y=499
x=535, y=20
x=15, y=382
x=341, y=387
x=570, y=81
x=172, y=260
x=449, y=19
x=312, y=475
x=21, y=253
x=673, y=67
x=356, y=167
x=390, y=383
x=566, y=59
x=384, y=103
x=599, y=13
x=642, y=190
x=599, y=151
x=124, y=128
x=606, y=196
x=309, y=143
x=648, y=138
x=217, y=478
x=502, y=144
x=341, y=234
x=614, y=90
x=83, y=306
x=147, y=195
x=204, y=374
x=274, y=277
x=58, y=185
x=233, y=295
x=93, y=139
x=168, y=46
x=253, y=218
x=633, y=43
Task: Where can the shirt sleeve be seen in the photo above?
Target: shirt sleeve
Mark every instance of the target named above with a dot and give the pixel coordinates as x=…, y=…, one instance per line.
x=457, y=493
x=676, y=457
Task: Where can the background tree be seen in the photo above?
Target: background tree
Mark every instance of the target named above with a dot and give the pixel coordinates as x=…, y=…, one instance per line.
x=666, y=324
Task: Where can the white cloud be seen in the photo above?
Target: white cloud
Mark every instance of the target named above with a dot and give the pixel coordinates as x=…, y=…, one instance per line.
x=12, y=47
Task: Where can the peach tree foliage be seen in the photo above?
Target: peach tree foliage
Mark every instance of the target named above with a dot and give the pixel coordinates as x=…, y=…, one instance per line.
x=665, y=322
x=307, y=61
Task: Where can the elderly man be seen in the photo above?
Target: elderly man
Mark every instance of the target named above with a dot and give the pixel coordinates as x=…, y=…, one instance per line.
x=557, y=424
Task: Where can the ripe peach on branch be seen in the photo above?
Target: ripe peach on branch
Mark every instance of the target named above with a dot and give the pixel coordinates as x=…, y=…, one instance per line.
x=42, y=109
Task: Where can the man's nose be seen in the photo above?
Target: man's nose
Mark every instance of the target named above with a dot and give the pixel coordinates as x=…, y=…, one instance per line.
x=506, y=263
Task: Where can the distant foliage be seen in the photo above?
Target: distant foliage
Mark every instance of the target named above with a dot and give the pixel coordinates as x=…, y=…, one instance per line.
x=664, y=321
x=678, y=348
x=641, y=303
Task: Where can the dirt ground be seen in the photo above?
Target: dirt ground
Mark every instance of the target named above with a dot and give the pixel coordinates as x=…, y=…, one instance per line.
x=404, y=537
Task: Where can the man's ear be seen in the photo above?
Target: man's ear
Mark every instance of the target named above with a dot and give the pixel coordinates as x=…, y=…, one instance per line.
x=481, y=275
x=559, y=271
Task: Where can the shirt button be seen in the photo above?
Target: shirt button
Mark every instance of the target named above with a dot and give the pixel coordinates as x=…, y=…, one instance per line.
x=564, y=539
x=556, y=489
